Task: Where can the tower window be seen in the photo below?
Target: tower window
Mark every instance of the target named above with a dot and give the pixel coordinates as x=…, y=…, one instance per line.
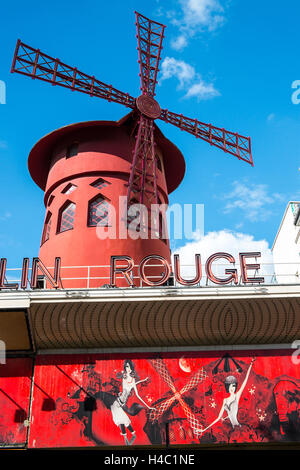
x=162, y=234
x=100, y=183
x=135, y=213
x=66, y=217
x=69, y=188
x=50, y=200
x=98, y=212
x=72, y=150
x=47, y=227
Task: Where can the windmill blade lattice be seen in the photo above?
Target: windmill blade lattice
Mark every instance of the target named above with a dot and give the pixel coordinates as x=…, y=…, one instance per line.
x=35, y=64
x=229, y=142
x=150, y=35
x=162, y=407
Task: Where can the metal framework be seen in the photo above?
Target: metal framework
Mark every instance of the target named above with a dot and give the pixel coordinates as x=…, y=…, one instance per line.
x=142, y=185
x=150, y=36
x=230, y=142
x=142, y=181
x=35, y=64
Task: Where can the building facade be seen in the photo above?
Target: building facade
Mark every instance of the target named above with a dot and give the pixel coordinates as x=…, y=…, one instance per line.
x=112, y=364
x=286, y=246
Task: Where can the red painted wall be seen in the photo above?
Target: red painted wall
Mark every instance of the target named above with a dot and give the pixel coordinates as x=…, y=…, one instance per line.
x=76, y=399
x=15, y=384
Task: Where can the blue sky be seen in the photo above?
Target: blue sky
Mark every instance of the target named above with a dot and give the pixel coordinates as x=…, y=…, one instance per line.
x=231, y=63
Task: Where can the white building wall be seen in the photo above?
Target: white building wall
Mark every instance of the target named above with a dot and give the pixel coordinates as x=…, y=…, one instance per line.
x=286, y=247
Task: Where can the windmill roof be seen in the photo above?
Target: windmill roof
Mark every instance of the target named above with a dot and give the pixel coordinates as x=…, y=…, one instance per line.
x=40, y=156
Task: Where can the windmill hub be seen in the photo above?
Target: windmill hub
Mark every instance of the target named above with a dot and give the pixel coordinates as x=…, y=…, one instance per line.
x=148, y=106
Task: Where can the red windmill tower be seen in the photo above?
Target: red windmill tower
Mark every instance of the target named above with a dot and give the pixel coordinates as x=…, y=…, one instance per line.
x=85, y=167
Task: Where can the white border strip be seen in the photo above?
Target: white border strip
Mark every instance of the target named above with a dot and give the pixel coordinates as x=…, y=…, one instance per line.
x=150, y=294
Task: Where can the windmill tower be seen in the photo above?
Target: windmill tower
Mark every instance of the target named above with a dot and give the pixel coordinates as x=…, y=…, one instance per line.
x=86, y=167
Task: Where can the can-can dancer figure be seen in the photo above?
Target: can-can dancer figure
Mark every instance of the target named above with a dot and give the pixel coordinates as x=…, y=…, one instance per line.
x=119, y=409
x=231, y=403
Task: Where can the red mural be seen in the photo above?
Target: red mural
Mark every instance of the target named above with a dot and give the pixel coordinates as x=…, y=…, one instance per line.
x=15, y=384
x=193, y=398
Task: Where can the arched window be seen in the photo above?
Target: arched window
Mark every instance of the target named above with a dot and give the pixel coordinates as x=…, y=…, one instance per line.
x=98, y=212
x=66, y=217
x=47, y=227
x=162, y=224
x=162, y=234
x=132, y=215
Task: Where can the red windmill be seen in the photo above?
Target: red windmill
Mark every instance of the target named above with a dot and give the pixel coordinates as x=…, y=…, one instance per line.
x=143, y=176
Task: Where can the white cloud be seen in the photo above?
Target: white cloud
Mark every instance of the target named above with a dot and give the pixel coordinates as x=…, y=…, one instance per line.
x=202, y=90
x=254, y=200
x=189, y=80
x=197, y=16
x=202, y=13
x=225, y=241
x=179, y=69
x=179, y=43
